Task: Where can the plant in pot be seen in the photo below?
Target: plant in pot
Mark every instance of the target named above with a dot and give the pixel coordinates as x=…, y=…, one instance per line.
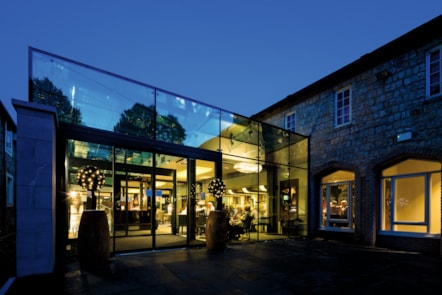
x=216, y=228
x=93, y=232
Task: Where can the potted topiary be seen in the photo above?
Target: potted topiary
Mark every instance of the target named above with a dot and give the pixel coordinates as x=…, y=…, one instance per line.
x=216, y=227
x=93, y=232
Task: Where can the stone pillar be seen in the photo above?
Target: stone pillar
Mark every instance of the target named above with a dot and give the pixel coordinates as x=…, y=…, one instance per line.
x=36, y=188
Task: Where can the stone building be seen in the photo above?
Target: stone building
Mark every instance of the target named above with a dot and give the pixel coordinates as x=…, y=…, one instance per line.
x=375, y=144
x=7, y=173
x=355, y=156
x=7, y=193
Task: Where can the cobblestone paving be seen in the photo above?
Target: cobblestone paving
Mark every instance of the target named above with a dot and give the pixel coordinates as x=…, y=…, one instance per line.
x=275, y=267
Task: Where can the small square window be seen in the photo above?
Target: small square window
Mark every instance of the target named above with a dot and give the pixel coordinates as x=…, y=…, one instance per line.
x=9, y=190
x=343, y=107
x=434, y=69
x=290, y=119
x=8, y=142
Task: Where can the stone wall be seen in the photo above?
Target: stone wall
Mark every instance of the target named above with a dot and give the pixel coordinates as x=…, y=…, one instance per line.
x=36, y=129
x=381, y=110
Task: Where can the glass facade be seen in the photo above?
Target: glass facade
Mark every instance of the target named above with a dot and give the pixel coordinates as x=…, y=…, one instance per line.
x=158, y=151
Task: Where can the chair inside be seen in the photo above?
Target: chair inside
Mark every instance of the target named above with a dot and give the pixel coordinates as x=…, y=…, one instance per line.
x=247, y=225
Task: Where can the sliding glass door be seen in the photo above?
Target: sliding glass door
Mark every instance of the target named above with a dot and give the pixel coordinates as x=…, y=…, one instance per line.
x=151, y=199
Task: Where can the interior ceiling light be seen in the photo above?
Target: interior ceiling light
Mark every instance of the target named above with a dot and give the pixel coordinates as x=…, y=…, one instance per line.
x=245, y=167
x=262, y=188
x=245, y=190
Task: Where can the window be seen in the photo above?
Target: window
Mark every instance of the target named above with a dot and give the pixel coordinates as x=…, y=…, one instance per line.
x=337, y=197
x=434, y=68
x=8, y=140
x=343, y=107
x=290, y=121
x=410, y=197
x=9, y=190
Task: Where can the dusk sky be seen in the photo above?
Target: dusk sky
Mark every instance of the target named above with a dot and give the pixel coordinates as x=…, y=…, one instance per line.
x=238, y=55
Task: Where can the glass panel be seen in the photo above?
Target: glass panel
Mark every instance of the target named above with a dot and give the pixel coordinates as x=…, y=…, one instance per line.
x=435, y=203
x=386, y=204
x=289, y=206
x=227, y=123
x=89, y=150
x=410, y=199
x=411, y=166
x=298, y=157
x=84, y=95
x=10, y=196
x=202, y=201
x=300, y=175
x=184, y=121
x=80, y=155
x=410, y=228
x=171, y=199
x=240, y=138
x=125, y=156
x=137, y=120
x=337, y=199
x=324, y=208
x=243, y=197
x=132, y=209
x=170, y=118
x=273, y=142
x=184, y=203
x=133, y=220
x=339, y=176
x=337, y=195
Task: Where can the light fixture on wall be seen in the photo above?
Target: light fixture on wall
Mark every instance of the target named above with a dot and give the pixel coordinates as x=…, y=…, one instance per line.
x=383, y=75
x=245, y=167
x=245, y=190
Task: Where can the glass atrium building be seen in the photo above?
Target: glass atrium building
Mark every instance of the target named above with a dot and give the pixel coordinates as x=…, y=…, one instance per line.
x=157, y=152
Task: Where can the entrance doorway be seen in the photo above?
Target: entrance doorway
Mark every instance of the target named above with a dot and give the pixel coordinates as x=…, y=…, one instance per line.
x=151, y=199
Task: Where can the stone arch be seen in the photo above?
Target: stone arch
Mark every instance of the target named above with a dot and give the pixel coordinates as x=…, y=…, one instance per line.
x=317, y=174
x=375, y=167
x=402, y=153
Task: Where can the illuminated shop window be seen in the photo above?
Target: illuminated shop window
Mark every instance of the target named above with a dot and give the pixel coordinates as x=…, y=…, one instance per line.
x=410, y=197
x=337, y=198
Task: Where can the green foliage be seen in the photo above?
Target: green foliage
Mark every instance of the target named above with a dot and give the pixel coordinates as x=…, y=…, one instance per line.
x=43, y=91
x=140, y=121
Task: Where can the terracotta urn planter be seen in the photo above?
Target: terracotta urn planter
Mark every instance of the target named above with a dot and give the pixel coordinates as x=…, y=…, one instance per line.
x=93, y=232
x=94, y=241
x=216, y=226
x=216, y=231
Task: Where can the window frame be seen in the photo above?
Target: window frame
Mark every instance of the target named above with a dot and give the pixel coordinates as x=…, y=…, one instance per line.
x=343, y=115
x=290, y=121
x=8, y=141
x=429, y=73
x=326, y=220
x=10, y=199
x=389, y=223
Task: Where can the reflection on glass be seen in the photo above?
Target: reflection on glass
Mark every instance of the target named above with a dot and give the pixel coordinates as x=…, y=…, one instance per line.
x=257, y=157
x=409, y=191
x=193, y=123
x=338, y=200
x=98, y=98
x=139, y=121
